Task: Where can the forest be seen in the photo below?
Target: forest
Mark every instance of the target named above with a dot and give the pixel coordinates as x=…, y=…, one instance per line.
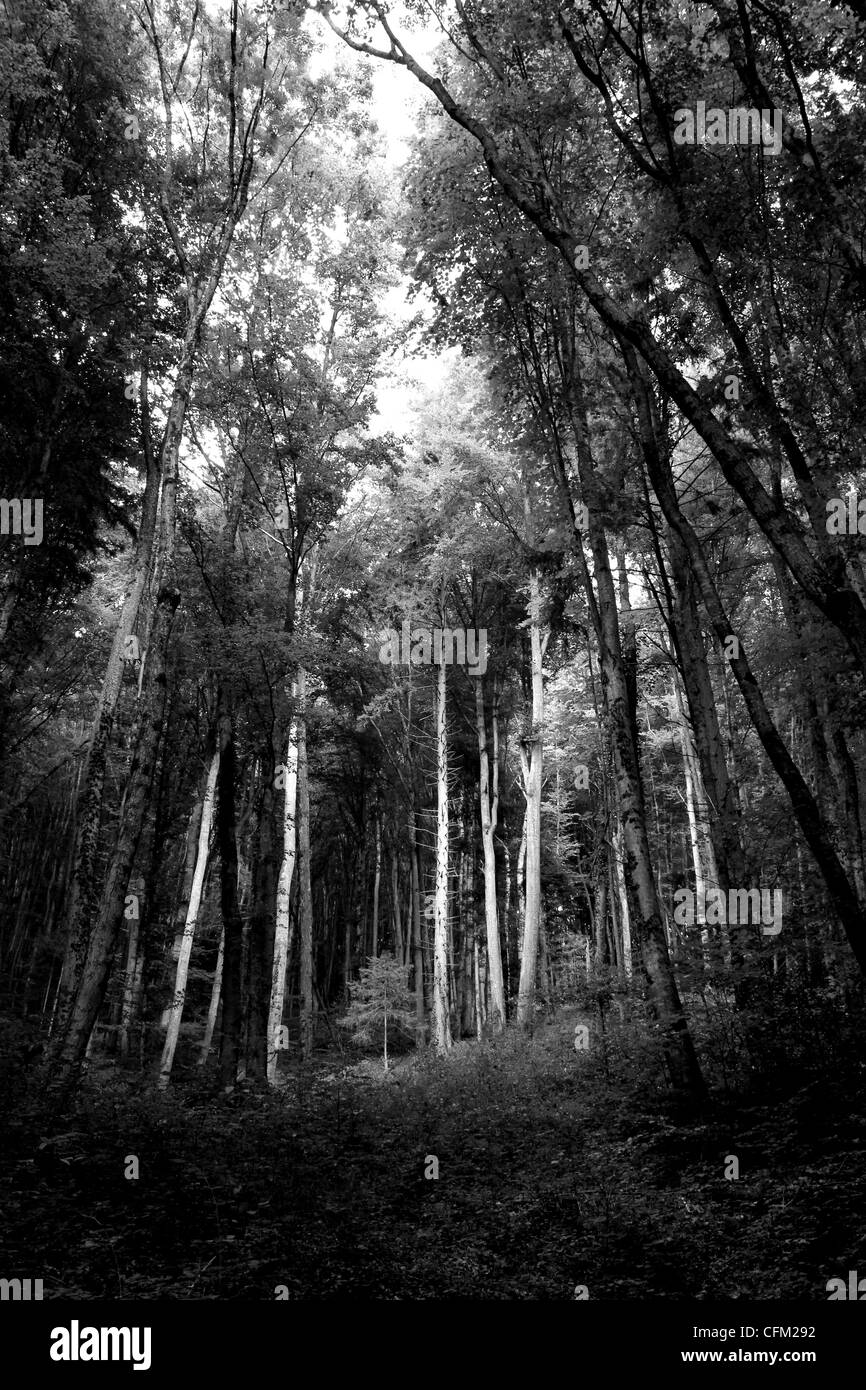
x=433, y=650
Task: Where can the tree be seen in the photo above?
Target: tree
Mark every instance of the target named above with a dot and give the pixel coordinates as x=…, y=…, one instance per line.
x=380, y=996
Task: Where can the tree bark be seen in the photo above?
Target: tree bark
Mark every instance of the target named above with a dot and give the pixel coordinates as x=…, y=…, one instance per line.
x=842, y=892
x=230, y=1034
x=377, y=878
x=213, y=1007
x=489, y=803
x=531, y=759
x=72, y=1043
x=441, y=1016
x=282, y=932
x=417, y=945
x=305, y=894
x=192, y=913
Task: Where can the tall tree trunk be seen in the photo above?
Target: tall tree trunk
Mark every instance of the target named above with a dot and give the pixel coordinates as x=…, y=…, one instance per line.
x=441, y=1017
x=399, y=945
x=489, y=803
x=377, y=878
x=531, y=763
x=600, y=919
x=261, y=936
x=230, y=1033
x=72, y=1043
x=699, y=820
x=625, y=955
x=305, y=893
x=282, y=932
x=192, y=912
x=662, y=987
x=842, y=892
x=417, y=945
x=724, y=824
x=213, y=1007
x=131, y=986
x=84, y=881
x=520, y=889
x=348, y=908
x=468, y=948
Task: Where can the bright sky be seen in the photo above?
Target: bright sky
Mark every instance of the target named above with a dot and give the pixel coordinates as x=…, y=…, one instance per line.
x=397, y=98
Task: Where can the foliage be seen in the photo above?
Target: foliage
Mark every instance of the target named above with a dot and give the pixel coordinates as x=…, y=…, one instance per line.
x=379, y=998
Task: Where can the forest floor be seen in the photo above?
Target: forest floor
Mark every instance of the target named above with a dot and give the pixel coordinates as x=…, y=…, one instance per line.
x=555, y=1169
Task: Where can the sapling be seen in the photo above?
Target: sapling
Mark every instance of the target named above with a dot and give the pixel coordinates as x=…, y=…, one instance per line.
x=378, y=997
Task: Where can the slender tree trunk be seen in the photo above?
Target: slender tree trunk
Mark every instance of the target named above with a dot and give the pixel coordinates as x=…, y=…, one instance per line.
x=662, y=987
x=531, y=763
x=624, y=913
x=72, y=1043
x=399, y=945
x=230, y=1038
x=843, y=894
x=468, y=948
x=84, y=882
x=489, y=802
x=282, y=932
x=305, y=894
x=192, y=912
x=417, y=945
x=131, y=987
x=213, y=1007
x=261, y=936
x=376, y=882
x=724, y=823
x=600, y=915
x=441, y=1017
x=520, y=889
x=347, y=948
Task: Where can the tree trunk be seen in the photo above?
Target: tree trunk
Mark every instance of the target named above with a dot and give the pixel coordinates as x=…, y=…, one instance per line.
x=489, y=802
x=441, y=1017
x=600, y=913
x=417, y=945
x=376, y=882
x=282, y=932
x=305, y=895
x=192, y=912
x=724, y=824
x=662, y=987
x=84, y=881
x=230, y=1035
x=399, y=945
x=842, y=893
x=213, y=1007
x=131, y=987
x=531, y=763
x=72, y=1043
x=261, y=935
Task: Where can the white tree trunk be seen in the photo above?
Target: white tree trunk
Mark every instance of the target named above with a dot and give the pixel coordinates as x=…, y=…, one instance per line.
x=282, y=932
x=532, y=763
x=176, y=1006
x=489, y=817
x=625, y=923
x=441, y=1019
